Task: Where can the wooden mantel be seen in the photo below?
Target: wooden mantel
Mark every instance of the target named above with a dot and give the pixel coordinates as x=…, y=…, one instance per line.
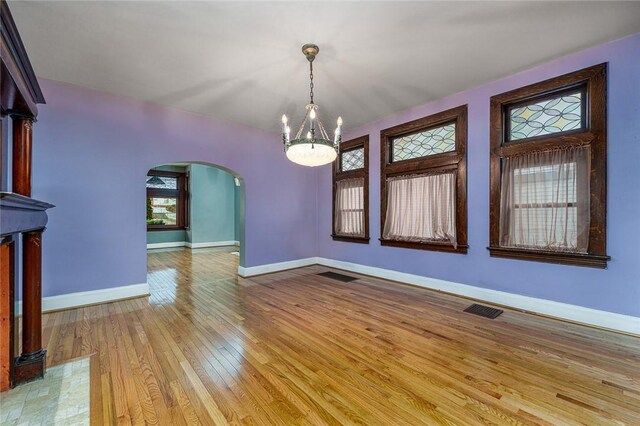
x=20, y=214
x=22, y=218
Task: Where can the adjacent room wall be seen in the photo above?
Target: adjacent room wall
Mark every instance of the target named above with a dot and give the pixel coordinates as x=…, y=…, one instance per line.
x=616, y=289
x=212, y=205
x=92, y=154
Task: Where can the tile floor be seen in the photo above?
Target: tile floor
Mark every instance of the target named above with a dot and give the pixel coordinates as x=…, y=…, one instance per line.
x=61, y=398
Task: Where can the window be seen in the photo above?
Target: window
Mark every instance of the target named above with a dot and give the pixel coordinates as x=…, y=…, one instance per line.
x=424, y=183
x=167, y=200
x=351, y=192
x=548, y=170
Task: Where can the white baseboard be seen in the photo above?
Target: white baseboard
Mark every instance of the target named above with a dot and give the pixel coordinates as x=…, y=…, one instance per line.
x=192, y=245
x=212, y=244
x=275, y=267
x=625, y=323
x=565, y=311
x=166, y=245
x=73, y=300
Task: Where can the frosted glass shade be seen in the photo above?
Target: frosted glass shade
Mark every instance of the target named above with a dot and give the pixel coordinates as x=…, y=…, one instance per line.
x=304, y=154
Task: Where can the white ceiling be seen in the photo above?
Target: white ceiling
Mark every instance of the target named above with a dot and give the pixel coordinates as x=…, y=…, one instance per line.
x=242, y=62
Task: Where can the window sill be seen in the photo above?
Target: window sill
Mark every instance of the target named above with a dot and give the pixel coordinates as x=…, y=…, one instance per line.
x=576, y=259
x=346, y=239
x=154, y=228
x=433, y=246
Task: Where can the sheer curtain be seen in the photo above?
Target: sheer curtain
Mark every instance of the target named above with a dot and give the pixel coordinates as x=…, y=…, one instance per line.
x=545, y=200
x=421, y=208
x=349, y=213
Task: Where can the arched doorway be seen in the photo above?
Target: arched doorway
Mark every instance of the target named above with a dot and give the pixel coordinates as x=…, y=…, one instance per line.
x=194, y=211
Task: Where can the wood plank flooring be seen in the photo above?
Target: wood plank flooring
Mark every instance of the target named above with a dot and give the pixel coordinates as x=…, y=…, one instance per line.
x=208, y=347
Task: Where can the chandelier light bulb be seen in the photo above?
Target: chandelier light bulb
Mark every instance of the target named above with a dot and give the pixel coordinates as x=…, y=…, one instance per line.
x=312, y=114
x=339, y=121
x=308, y=135
x=284, y=119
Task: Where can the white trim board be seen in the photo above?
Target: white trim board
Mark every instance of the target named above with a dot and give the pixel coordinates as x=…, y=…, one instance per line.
x=83, y=298
x=166, y=245
x=212, y=244
x=275, y=267
x=565, y=311
x=192, y=245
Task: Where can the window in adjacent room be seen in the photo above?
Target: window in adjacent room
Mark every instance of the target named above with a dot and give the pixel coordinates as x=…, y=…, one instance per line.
x=424, y=183
x=351, y=192
x=167, y=200
x=548, y=170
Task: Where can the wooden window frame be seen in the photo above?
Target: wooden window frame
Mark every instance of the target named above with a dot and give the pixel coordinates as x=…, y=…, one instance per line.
x=181, y=194
x=593, y=80
x=454, y=160
x=338, y=174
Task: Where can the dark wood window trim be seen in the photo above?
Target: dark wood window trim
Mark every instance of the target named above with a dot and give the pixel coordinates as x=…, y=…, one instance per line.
x=455, y=160
x=338, y=174
x=181, y=194
x=593, y=82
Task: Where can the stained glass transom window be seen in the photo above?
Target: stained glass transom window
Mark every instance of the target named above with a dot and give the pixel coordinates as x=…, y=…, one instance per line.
x=429, y=142
x=554, y=115
x=352, y=160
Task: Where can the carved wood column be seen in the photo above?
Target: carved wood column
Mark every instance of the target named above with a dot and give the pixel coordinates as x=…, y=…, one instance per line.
x=31, y=363
x=22, y=138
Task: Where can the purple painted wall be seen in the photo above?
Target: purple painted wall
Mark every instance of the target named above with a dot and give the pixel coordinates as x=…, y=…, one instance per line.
x=616, y=289
x=92, y=152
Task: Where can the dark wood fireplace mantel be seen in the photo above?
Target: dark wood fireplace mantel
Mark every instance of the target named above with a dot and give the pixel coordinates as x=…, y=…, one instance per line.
x=20, y=214
x=22, y=219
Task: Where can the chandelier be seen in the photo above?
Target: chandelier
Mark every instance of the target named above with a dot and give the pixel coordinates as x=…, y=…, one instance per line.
x=313, y=148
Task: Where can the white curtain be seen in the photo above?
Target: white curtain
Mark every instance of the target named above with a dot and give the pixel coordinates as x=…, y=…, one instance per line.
x=349, y=214
x=421, y=208
x=545, y=200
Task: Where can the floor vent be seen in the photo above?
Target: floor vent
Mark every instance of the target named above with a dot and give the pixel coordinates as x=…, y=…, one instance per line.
x=484, y=311
x=337, y=276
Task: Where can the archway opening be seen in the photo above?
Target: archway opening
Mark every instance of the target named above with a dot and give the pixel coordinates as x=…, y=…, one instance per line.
x=195, y=222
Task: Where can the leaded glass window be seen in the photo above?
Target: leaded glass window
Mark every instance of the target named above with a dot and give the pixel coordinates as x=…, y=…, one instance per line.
x=561, y=113
x=437, y=140
x=352, y=160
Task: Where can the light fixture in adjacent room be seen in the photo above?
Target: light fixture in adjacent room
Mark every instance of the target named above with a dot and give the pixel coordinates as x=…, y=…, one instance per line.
x=313, y=148
x=156, y=181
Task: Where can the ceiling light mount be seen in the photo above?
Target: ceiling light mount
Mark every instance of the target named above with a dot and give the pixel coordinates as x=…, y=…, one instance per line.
x=310, y=50
x=315, y=148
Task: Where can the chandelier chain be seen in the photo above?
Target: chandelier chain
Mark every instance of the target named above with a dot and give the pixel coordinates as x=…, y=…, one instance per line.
x=311, y=80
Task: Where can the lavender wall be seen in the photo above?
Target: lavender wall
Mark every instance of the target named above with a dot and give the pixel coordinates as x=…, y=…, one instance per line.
x=92, y=152
x=616, y=289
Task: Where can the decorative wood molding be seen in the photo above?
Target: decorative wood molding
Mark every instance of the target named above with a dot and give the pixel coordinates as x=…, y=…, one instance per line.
x=21, y=214
x=593, y=83
x=20, y=89
x=456, y=160
x=338, y=174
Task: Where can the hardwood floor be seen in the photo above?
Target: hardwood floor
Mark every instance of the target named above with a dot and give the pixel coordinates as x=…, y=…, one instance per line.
x=293, y=347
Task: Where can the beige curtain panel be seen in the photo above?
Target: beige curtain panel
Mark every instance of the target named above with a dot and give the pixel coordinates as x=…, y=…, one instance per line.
x=545, y=200
x=421, y=208
x=349, y=213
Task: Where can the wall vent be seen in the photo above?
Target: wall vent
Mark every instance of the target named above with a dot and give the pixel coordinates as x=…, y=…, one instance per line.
x=337, y=276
